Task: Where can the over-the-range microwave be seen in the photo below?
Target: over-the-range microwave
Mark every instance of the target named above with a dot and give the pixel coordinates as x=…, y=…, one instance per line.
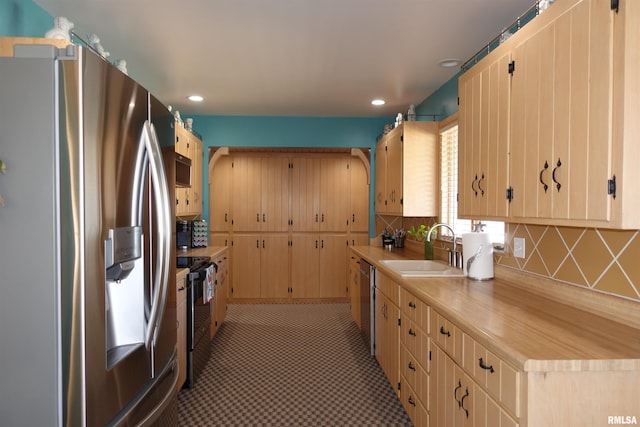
x=183, y=171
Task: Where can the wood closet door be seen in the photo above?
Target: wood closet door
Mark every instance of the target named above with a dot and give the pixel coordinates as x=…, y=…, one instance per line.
x=247, y=200
x=305, y=194
x=275, y=194
x=334, y=194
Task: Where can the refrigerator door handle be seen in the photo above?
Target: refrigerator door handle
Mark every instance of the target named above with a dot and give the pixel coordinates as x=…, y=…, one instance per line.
x=161, y=198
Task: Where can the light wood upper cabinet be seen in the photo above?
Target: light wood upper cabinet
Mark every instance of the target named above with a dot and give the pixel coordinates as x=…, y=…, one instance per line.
x=305, y=190
x=247, y=198
x=483, y=140
x=334, y=194
x=406, y=170
x=561, y=115
x=358, y=216
x=572, y=119
x=220, y=191
x=274, y=194
x=189, y=200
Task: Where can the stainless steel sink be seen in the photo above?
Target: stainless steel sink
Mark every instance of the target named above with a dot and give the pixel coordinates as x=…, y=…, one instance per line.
x=422, y=268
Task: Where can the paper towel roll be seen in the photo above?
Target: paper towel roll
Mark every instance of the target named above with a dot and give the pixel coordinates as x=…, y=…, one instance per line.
x=477, y=248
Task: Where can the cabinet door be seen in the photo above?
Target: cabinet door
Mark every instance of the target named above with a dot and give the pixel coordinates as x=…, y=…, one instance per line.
x=305, y=195
x=561, y=118
x=194, y=193
x=274, y=266
x=246, y=266
x=483, y=140
x=394, y=173
x=274, y=194
x=334, y=194
x=359, y=197
x=247, y=200
x=380, y=201
x=305, y=266
x=220, y=187
x=333, y=265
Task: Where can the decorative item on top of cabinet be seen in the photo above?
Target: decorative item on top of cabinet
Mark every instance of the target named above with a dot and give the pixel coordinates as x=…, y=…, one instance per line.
x=406, y=170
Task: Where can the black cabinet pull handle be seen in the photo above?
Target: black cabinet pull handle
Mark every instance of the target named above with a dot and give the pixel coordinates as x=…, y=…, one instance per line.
x=316, y=217
x=225, y=217
x=480, y=185
x=411, y=366
x=264, y=217
x=411, y=402
x=412, y=332
x=544, y=184
x=485, y=367
x=258, y=244
x=473, y=186
x=455, y=393
x=466, y=394
x=353, y=218
x=257, y=217
x=553, y=175
x=412, y=304
x=181, y=288
x=443, y=332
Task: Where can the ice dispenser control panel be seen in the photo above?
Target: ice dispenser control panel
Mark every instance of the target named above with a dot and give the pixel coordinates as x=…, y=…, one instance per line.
x=122, y=247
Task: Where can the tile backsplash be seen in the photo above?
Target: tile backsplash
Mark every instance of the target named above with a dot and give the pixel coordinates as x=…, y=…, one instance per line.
x=598, y=259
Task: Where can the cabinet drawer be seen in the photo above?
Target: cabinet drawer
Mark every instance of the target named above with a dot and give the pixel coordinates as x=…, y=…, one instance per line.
x=415, y=310
x=412, y=404
x=415, y=376
x=416, y=341
x=448, y=336
x=499, y=379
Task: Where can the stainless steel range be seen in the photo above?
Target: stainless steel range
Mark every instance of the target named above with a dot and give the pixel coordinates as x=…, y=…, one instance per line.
x=200, y=282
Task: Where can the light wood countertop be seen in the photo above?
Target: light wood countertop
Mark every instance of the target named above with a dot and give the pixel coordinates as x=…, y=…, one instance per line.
x=211, y=251
x=533, y=332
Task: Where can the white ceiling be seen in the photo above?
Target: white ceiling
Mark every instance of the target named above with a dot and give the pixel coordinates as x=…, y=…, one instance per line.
x=290, y=57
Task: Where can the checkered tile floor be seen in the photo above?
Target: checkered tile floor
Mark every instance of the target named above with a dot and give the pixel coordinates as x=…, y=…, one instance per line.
x=290, y=365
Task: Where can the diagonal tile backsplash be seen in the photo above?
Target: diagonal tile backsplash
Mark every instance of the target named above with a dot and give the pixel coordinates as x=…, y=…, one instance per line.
x=603, y=260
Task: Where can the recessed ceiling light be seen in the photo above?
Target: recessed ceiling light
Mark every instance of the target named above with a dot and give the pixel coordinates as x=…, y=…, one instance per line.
x=449, y=63
x=378, y=102
x=195, y=98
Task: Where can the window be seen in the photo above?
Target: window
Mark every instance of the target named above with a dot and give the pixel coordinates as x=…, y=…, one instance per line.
x=449, y=190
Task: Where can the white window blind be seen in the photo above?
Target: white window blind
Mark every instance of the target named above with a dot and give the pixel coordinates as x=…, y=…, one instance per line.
x=449, y=190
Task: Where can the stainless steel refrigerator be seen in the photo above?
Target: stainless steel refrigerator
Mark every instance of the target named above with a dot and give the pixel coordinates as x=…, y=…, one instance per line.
x=87, y=333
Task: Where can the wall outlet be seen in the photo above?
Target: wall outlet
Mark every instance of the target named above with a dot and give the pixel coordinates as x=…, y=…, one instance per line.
x=518, y=247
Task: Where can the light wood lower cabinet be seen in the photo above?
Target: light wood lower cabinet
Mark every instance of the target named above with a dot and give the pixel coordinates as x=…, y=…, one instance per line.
x=181, y=320
x=469, y=385
x=219, y=305
x=260, y=266
x=387, y=329
x=354, y=288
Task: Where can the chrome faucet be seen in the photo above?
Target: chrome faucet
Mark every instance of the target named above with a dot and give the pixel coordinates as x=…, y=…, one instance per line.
x=454, y=254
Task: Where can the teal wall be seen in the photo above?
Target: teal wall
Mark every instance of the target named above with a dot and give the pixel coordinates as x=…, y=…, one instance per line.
x=23, y=18
x=443, y=102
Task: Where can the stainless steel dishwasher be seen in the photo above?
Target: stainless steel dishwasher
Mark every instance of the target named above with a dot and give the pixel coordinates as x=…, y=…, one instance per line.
x=367, y=304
